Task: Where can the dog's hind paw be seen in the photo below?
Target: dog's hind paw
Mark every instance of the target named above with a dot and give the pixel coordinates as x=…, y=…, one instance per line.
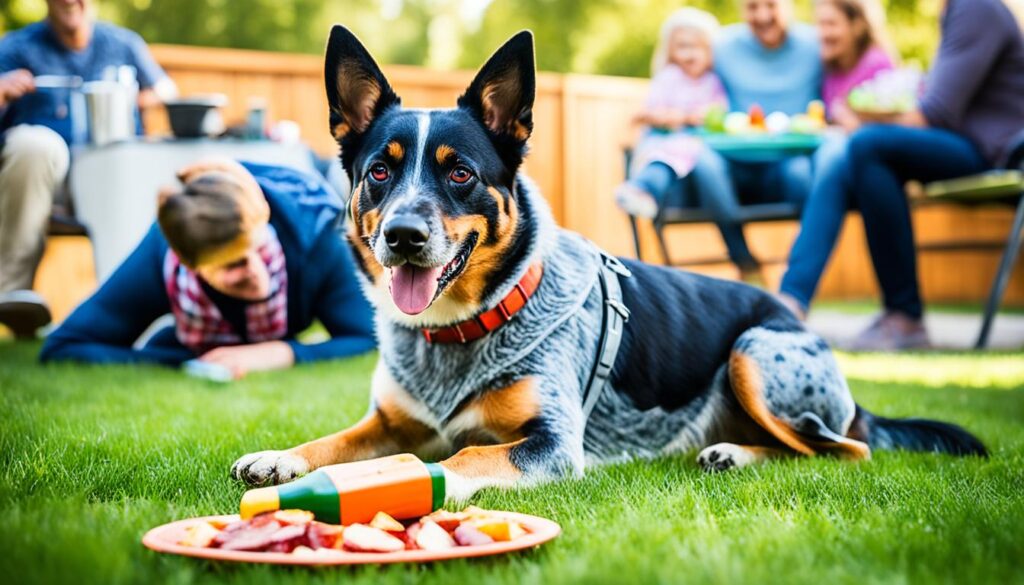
x=269, y=467
x=723, y=457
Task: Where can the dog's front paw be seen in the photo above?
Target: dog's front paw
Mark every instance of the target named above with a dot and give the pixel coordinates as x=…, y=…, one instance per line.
x=723, y=457
x=269, y=467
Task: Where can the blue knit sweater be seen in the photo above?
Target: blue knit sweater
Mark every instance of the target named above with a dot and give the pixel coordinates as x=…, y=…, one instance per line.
x=321, y=285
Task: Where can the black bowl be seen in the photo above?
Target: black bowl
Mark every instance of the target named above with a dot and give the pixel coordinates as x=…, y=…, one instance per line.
x=188, y=115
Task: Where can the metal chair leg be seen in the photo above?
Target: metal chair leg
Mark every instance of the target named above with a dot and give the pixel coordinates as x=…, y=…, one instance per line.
x=659, y=230
x=995, y=296
x=636, y=237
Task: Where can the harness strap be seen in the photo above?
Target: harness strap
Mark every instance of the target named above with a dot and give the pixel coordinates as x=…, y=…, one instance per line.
x=613, y=322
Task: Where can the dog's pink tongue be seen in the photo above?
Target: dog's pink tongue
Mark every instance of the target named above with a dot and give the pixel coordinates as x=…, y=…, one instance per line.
x=413, y=287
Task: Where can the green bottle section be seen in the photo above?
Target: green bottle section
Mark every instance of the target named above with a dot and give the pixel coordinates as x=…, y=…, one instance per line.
x=315, y=493
x=318, y=494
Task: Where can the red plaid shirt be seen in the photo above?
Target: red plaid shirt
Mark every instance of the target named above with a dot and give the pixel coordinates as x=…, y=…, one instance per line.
x=199, y=324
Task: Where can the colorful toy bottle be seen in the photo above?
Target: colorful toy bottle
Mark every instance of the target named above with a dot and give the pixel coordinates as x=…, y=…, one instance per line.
x=401, y=486
x=757, y=117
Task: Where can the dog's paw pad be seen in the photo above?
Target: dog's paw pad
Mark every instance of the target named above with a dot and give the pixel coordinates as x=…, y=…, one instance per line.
x=723, y=457
x=269, y=467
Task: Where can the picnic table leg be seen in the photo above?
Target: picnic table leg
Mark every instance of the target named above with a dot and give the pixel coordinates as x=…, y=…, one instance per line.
x=1002, y=276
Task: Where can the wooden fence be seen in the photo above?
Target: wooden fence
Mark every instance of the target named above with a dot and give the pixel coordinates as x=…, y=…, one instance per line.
x=581, y=124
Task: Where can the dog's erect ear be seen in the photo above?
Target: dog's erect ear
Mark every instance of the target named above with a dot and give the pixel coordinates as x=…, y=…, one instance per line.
x=502, y=93
x=357, y=91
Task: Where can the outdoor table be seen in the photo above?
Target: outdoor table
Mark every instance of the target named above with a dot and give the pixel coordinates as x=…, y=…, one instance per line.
x=761, y=147
x=114, y=187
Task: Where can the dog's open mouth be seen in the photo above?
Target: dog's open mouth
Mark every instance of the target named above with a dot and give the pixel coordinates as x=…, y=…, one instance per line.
x=414, y=288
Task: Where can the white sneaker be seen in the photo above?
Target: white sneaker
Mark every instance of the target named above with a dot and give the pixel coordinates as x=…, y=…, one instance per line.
x=635, y=201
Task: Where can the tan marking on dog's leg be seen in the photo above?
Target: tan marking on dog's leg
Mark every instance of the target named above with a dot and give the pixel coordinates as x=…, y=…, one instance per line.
x=748, y=386
x=504, y=412
x=475, y=468
x=499, y=413
x=388, y=429
x=366, y=439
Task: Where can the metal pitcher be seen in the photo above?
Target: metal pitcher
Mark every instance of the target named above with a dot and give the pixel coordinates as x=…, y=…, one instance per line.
x=111, y=107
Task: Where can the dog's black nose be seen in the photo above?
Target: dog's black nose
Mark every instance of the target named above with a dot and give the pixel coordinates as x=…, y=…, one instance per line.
x=406, y=234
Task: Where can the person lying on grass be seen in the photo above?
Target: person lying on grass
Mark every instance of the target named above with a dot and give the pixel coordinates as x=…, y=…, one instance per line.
x=244, y=257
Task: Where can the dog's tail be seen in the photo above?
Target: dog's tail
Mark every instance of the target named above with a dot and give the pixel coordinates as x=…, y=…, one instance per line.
x=914, y=434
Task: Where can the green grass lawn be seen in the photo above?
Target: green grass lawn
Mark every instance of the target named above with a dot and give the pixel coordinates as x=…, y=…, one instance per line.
x=95, y=456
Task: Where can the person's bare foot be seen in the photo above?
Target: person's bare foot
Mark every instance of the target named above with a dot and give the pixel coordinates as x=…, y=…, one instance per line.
x=891, y=331
x=794, y=306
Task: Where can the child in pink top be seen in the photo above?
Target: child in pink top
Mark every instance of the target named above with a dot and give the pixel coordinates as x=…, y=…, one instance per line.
x=683, y=89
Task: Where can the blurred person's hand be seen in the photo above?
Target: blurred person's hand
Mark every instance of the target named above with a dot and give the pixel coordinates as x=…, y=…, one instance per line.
x=845, y=118
x=696, y=118
x=15, y=84
x=912, y=119
x=666, y=118
x=163, y=91
x=242, y=359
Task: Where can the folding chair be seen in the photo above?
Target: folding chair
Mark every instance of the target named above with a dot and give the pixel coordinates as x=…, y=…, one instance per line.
x=999, y=186
x=674, y=214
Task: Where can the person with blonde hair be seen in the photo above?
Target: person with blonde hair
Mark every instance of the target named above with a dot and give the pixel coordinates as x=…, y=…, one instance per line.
x=244, y=257
x=683, y=88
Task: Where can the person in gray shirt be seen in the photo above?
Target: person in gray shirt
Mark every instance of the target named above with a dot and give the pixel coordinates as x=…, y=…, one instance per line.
x=965, y=122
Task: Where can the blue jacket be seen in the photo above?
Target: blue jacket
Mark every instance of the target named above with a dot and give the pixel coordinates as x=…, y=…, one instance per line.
x=321, y=285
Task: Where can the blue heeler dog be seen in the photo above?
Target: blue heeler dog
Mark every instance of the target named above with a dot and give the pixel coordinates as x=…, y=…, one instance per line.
x=491, y=319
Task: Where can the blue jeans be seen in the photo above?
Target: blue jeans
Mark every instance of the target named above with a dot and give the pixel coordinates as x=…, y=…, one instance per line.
x=868, y=173
x=715, y=184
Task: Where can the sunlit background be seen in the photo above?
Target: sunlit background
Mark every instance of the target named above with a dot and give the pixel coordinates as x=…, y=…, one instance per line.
x=613, y=37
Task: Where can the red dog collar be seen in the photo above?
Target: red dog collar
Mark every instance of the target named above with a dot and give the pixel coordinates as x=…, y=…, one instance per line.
x=477, y=327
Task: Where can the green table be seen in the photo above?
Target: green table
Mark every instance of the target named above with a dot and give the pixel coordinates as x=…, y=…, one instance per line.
x=761, y=147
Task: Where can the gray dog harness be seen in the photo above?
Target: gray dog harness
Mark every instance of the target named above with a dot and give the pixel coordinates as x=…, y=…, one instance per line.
x=615, y=317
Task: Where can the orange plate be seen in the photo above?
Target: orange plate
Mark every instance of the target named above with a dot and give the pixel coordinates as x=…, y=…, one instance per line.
x=165, y=539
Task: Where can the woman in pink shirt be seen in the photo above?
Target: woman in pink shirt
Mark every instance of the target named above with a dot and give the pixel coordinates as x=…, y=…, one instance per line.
x=853, y=49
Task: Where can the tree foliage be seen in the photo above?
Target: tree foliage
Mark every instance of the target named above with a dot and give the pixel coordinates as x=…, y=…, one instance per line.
x=613, y=37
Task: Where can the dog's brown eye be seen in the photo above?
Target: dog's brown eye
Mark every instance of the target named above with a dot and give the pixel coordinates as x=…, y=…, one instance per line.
x=379, y=172
x=460, y=174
